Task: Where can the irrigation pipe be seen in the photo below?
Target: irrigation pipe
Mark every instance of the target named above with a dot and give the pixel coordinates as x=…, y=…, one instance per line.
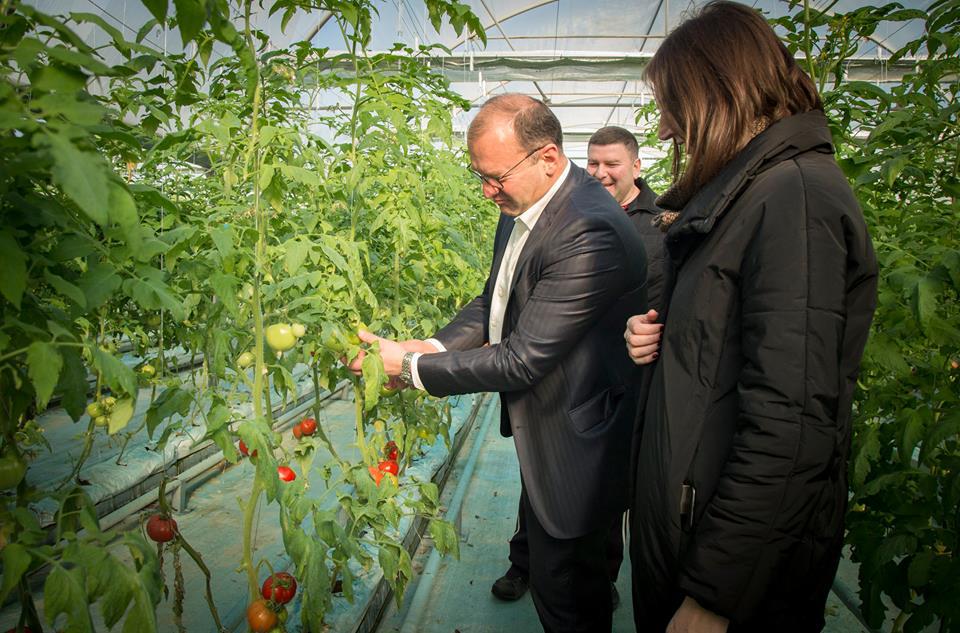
x=421, y=595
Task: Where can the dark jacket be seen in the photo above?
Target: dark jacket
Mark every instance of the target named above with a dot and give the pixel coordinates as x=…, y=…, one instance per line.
x=750, y=401
x=562, y=369
x=642, y=210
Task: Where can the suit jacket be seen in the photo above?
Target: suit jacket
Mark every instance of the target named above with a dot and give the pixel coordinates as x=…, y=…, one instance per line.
x=562, y=369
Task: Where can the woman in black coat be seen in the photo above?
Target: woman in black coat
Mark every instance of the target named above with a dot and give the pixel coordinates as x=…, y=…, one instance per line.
x=741, y=489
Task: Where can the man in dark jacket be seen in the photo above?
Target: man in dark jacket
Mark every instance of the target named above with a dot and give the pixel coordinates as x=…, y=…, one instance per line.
x=546, y=333
x=613, y=158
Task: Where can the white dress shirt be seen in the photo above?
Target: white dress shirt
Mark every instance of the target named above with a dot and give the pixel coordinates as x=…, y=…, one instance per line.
x=500, y=295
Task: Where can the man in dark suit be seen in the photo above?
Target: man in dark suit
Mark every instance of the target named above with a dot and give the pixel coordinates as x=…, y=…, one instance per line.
x=547, y=334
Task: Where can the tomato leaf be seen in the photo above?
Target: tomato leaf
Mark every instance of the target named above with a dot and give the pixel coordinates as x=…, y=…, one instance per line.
x=374, y=378
x=43, y=365
x=158, y=8
x=191, y=16
x=99, y=283
x=116, y=375
x=16, y=561
x=73, y=384
x=64, y=592
x=295, y=253
x=445, y=537
x=81, y=176
x=121, y=415
x=66, y=288
x=13, y=281
x=224, y=240
x=172, y=400
x=924, y=301
x=123, y=212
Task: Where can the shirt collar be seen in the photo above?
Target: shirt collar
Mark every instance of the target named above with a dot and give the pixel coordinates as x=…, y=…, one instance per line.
x=529, y=217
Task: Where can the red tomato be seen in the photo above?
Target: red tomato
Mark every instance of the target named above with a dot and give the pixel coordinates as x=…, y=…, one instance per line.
x=261, y=617
x=389, y=466
x=297, y=431
x=308, y=426
x=279, y=587
x=286, y=473
x=161, y=528
x=376, y=474
x=243, y=450
x=390, y=451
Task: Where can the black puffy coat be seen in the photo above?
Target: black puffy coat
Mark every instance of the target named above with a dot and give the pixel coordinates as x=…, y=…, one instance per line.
x=771, y=303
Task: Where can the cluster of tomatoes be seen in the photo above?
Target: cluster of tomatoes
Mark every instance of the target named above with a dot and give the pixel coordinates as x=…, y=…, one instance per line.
x=388, y=466
x=266, y=614
x=100, y=410
x=306, y=427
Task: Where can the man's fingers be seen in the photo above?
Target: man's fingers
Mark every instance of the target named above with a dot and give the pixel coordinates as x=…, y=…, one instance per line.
x=368, y=337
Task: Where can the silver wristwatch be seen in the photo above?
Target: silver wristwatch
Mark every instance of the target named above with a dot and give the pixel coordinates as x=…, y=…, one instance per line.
x=406, y=368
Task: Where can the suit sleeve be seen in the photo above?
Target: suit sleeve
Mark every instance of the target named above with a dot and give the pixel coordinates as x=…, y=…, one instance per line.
x=584, y=271
x=794, y=311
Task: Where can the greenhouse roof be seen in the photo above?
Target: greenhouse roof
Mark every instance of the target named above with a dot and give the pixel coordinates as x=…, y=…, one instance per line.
x=585, y=59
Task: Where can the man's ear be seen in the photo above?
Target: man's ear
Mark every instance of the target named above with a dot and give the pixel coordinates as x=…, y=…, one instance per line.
x=550, y=155
x=636, y=168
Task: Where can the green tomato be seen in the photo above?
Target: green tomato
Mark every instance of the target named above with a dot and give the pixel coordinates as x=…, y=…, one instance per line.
x=148, y=370
x=109, y=401
x=12, y=470
x=101, y=420
x=244, y=360
x=94, y=409
x=298, y=329
x=280, y=337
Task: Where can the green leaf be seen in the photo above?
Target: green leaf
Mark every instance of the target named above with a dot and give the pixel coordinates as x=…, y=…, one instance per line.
x=73, y=384
x=43, y=365
x=64, y=592
x=225, y=287
x=445, y=537
x=172, y=400
x=157, y=8
x=99, y=283
x=16, y=561
x=13, y=262
x=374, y=378
x=115, y=374
x=295, y=253
x=430, y=492
x=123, y=212
x=82, y=176
x=893, y=167
x=224, y=240
x=121, y=415
x=152, y=293
x=66, y=288
x=918, y=573
x=191, y=16
x=913, y=430
x=894, y=547
x=944, y=429
x=924, y=301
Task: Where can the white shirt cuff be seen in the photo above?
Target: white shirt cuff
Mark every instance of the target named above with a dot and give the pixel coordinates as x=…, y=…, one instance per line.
x=414, y=376
x=437, y=344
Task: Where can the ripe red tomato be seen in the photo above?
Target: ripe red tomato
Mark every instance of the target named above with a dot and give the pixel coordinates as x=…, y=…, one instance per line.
x=286, y=473
x=279, y=587
x=390, y=451
x=261, y=617
x=161, y=528
x=244, y=451
x=308, y=426
x=376, y=474
x=389, y=466
x=297, y=431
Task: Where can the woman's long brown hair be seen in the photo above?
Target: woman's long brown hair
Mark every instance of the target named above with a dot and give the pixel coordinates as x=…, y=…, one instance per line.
x=719, y=77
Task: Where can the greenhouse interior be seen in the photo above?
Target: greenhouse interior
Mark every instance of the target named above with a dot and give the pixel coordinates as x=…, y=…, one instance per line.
x=212, y=209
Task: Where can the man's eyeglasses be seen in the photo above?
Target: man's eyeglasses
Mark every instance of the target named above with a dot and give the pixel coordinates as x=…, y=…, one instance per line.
x=497, y=183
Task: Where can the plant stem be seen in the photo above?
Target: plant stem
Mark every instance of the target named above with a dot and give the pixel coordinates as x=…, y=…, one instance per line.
x=249, y=512
x=358, y=412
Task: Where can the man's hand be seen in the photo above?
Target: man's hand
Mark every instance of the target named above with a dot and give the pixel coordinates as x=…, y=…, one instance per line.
x=692, y=618
x=416, y=345
x=391, y=353
x=643, y=337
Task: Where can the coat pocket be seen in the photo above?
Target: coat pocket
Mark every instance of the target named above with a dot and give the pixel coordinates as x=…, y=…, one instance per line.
x=597, y=409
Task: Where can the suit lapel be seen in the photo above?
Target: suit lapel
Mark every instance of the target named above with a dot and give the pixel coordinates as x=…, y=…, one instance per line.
x=542, y=228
